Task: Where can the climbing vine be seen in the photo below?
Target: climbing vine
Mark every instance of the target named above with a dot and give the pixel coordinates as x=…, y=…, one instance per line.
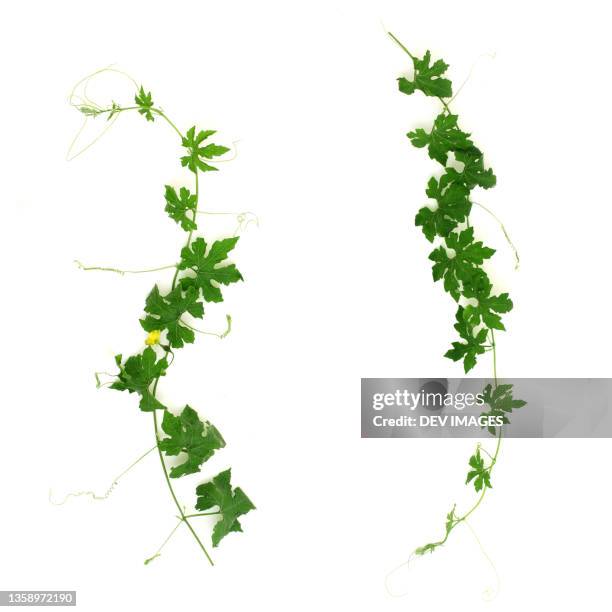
x=458, y=259
x=201, y=272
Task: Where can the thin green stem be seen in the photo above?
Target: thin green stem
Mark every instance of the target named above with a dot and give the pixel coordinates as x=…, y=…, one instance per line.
x=499, y=439
x=202, y=514
x=494, y=357
x=401, y=45
x=172, y=493
x=170, y=488
x=222, y=335
x=161, y=114
x=122, y=109
x=106, y=495
x=484, y=491
x=158, y=552
x=503, y=229
x=135, y=463
x=181, y=520
x=119, y=271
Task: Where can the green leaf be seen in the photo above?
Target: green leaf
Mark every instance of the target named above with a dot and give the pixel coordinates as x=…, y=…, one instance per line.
x=145, y=104
x=178, y=205
x=194, y=160
x=427, y=78
x=501, y=403
x=451, y=197
x=434, y=223
x=453, y=206
x=187, y=434
x=137, y=375
x=480, y=474
x=462, y=263
x=208, y=268
x=472, y=345
x=165, y=313
x=474, y=172
x=232, y=503
x=445, y=136
x=479, y=287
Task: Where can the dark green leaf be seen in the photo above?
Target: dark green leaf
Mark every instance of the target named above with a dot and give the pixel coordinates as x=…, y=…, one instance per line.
x=479, y=287
x=165, y=311
x=461, y=263
x=208, y=268
x=473, y=172
x=445, y=136
x=189, y=435
x=453, y=206
x=137, y=375
x=473, y=344
x=231, y=503
x=427, y=78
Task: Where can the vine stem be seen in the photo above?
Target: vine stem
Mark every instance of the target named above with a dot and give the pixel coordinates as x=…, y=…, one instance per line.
x=171, y=489
x=108, y=492
x=161, y=456
x=494, y=357
x=503, y=229
x=119, y=271
x=202, y=514
x=158, y=552
x=221, y=335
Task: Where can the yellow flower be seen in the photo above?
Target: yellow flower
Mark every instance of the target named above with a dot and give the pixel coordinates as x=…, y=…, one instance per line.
x=153, y=337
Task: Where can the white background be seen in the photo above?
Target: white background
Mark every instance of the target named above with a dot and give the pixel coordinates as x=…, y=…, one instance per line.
x=337, y=286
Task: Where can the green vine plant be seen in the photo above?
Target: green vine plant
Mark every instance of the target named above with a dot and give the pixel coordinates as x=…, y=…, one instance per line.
x=183, y=441
x=457, y=261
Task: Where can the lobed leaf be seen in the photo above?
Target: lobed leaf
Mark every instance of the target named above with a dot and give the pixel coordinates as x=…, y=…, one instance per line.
x=427, y=78
x=207, y=265
x=188, y=434
x=165, y=312
x=462, y=263
x=232, y=503
x=480, y=474
x=194, y=160
x=179, y=205
x=445, y=136
x=137, y=375
x=144, y=101
x=501, y=403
